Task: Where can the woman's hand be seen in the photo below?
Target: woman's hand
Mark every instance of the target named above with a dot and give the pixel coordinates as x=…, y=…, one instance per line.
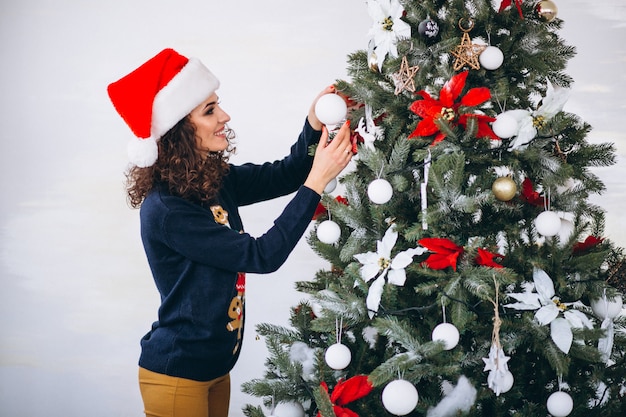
x=330, y=158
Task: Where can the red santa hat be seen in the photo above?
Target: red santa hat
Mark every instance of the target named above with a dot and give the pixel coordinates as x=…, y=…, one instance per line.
x=156, y=96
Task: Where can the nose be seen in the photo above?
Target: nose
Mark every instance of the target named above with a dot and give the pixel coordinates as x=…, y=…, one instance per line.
x=224, y=117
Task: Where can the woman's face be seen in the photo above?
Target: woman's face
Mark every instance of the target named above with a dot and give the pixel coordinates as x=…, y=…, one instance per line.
x=210, y=122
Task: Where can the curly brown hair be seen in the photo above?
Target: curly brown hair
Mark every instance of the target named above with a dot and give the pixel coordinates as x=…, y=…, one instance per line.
x=182, y=167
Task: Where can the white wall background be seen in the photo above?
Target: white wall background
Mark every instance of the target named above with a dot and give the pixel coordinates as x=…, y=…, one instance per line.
x=76, y=293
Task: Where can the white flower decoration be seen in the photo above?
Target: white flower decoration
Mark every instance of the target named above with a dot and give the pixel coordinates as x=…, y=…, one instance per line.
x=550, y=309
x=380, y=265
x=527, y=121
x=387, y=28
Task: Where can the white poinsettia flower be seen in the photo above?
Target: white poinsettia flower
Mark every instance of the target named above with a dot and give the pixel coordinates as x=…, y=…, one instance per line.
x=380, y=265
x=529, y=121
x=550, y=310
x=388, y=28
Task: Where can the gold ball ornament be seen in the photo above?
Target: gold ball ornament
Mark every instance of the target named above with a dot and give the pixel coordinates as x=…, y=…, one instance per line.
x=504, y=188
x=546, y=10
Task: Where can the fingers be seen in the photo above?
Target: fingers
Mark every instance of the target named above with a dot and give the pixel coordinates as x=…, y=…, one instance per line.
x=342, y=139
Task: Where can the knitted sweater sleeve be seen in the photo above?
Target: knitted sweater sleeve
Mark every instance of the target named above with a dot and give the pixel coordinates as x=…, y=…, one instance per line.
x=184, y=230
x=252, y=183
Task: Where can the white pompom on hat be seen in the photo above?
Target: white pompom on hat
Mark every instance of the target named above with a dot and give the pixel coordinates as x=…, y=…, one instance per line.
x=156, y=96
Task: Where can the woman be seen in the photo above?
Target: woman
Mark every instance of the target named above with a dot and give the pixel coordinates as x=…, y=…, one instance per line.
x=191, y=230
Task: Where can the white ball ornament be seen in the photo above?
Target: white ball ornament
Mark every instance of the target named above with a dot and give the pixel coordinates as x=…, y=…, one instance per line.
x=400, y=397
x=548, y=223
x=379, y=191
x=331, y=109
x=507, y=382
x=330, y=187
x=565, y=231
x=607, y=309
x=505, y=126
x=328, y=232
x=446, y=333
x=491, y=58
x=338, y=356
x=289, y=409
x=560, y=404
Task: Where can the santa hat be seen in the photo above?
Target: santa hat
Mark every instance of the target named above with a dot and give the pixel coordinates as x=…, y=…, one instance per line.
x=156, y=96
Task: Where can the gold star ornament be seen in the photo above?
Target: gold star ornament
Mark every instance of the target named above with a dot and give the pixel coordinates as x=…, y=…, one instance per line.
x=403, y=79
x=467, y=53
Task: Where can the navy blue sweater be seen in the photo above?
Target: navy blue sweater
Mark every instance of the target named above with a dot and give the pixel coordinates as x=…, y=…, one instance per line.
x=198, y=264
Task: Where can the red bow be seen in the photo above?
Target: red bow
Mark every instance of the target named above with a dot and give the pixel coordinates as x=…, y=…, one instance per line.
x=486, y=258
x=347, y=391
x=507, y=3
x=445, y=252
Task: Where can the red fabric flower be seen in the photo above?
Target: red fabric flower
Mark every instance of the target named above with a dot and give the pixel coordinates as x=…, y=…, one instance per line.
x=530, y=195
x=347, y=391
x=447, y=106
x=486, y=258
x=444, y=252
x=589, y=243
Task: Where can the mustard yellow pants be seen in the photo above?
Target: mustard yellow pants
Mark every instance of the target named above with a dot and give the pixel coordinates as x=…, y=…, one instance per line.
x=167, y=396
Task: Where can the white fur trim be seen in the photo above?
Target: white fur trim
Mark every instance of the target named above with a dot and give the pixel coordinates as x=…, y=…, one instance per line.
x=143, y=152
x=190, y=87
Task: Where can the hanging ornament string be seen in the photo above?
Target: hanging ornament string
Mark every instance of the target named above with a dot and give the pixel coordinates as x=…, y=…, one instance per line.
x=546, y=200
x=338, y=327
x=497, y=322
x=443, y=310
x=424, y=193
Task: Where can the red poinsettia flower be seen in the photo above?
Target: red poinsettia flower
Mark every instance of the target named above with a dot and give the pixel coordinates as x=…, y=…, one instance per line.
x=486, y=258
x=347, y=391
x=530, y=195
x=445, y=253
x=447, y=106
x=322, y=210
x=589, y=243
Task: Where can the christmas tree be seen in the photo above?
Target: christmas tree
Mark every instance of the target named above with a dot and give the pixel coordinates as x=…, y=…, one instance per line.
x=468, y=270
